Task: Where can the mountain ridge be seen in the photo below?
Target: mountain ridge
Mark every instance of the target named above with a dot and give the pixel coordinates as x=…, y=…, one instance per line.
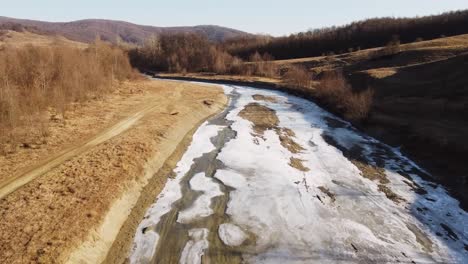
x=86, y=30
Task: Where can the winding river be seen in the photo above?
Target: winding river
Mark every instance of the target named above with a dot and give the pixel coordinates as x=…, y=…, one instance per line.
x=276, y=179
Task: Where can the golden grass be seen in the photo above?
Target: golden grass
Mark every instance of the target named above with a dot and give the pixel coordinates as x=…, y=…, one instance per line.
x=22, y=39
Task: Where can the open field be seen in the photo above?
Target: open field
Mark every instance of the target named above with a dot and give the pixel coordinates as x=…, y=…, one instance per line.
x=93, y=168
x=21, y=39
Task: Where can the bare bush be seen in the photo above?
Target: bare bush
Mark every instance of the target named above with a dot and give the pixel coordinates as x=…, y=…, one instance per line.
x=392, y=47
x=36, y=80
x=336, y=92
x=297, y=76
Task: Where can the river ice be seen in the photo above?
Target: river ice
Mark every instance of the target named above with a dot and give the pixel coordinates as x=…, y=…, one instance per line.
x=202, y=205
x=231, y=235
x=329, y=214
x=146, y=240
x=193, y=250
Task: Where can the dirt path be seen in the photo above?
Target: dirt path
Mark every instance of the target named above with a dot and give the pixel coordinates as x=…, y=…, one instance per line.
x=17, y=181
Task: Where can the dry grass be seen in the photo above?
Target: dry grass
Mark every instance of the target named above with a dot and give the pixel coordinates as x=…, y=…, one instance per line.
x=262, y=117
x=378, y=174
x=260, y=97
x=297, y=164
x=286, y=138
x=22, y=39
x=52, y=215
x=335, y=91
x=36, y=81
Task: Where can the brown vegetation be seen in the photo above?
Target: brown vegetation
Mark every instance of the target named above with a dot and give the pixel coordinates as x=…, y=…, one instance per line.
x=297, y=77
x=24, y=38
x=38, y=81
x=266, y=98
x=337, y=93
x=262, y=117
x=180, y=53
x=297, y=164
x=378, y=174
x=52, y=216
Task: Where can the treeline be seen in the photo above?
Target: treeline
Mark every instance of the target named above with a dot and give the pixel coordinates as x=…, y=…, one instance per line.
x=37, y=81
x=179, y=53
x=358, y=35
x=185, y=52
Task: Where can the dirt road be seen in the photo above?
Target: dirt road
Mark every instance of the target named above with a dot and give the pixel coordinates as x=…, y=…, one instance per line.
x=15, y=182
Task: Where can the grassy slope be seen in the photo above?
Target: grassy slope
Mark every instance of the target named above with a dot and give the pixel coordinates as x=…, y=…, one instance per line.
x=19, y=39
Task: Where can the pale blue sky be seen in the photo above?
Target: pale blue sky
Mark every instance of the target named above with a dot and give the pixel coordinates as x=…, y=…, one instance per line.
x=276, y=17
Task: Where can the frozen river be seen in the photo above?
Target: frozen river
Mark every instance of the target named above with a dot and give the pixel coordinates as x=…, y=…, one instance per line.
x=276, y=179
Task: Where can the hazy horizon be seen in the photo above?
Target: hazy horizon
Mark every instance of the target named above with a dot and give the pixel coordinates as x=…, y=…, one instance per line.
x=267, y=17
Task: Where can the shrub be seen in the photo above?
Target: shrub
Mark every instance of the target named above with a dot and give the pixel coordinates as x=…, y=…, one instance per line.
x=297, y=77
x=336, y=92
x=392, y=47
x=34, y=80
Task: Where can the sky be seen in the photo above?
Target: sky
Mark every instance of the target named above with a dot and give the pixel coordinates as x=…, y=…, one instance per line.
x=274, y=17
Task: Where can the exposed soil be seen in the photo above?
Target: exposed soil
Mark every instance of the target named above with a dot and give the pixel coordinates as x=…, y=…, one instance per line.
x=297, y=163
x=286, y=138
x=326, y=191
x=377, y=174
x=262, y=117
x=74, y=210
x=260, y=97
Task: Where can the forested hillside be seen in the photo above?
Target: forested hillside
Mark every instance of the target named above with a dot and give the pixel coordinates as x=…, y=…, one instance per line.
x=364, y=34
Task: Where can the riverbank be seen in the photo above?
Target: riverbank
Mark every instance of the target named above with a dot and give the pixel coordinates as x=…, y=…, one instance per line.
x=73, y=211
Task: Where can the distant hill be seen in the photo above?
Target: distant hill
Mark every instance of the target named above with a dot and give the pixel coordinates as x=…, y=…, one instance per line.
x=110, y=30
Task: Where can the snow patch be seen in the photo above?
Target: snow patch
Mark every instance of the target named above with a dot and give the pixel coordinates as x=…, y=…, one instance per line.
x=202, y=205
x=231, y=235
x=194, y=249
x=230, y=178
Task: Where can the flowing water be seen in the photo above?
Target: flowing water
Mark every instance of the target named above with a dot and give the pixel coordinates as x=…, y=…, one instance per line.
x=276, y=179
